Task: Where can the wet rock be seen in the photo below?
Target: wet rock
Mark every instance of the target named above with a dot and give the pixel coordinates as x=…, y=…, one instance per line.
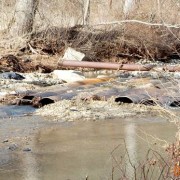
x=11, y=75
x=13, y=147
x=69, y=75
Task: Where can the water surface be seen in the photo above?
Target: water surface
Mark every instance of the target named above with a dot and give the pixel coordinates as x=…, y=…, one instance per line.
x=14, y=110
x=85, y=149
x=76, y=150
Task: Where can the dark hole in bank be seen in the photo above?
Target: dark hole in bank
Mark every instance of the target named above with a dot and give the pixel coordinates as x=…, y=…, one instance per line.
x=26, y=100
x=28, y=97
x=175, y=104
x=45, y=101
x=123, y=100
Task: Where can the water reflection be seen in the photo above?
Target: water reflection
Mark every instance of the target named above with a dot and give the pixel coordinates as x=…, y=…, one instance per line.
x=31, y=168
x=79, y=150
x=131, y=144
x=85, y=149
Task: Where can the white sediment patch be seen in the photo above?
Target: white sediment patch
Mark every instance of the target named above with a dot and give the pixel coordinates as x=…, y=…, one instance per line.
x=92, y=110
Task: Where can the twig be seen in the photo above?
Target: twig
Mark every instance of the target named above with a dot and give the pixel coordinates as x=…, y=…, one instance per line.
x=177, y=26
x=32, y=50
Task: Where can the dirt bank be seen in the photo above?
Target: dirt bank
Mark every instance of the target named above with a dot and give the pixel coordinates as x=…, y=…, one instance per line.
x=42, y=50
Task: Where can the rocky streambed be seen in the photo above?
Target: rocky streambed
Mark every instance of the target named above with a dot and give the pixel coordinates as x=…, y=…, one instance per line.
x=104, y=97
x=39, y=143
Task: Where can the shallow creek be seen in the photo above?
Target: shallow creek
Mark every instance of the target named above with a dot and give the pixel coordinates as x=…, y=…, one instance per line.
x=34, y=148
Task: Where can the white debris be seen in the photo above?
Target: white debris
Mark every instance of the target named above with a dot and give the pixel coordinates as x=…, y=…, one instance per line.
x=2, y=94
x=177, y=75
x=69, y=75
x=72, y=54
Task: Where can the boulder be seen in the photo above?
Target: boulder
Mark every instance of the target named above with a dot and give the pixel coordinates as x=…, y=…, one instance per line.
x=11, y=75
x=72, y=54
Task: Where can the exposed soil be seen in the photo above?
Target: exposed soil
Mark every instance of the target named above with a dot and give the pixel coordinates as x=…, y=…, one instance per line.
x=42, y=50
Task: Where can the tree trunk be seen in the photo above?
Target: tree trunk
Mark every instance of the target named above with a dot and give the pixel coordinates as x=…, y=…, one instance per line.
x=22, y=21
x=86, y=12
x=128, y=7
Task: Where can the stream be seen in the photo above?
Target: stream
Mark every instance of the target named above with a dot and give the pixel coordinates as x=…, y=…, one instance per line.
x=36, y=148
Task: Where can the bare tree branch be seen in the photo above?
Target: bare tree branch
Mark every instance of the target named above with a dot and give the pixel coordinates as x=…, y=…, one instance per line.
x=177, y=26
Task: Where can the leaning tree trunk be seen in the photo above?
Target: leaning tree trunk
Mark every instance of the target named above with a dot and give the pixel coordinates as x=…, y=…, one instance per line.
x=22, y=21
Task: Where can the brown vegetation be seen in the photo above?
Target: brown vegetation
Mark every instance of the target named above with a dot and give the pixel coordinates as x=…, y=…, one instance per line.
x=59, y=24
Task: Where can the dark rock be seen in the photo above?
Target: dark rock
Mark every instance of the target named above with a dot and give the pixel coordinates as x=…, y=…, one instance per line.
x=5, y=141
x=11, y=75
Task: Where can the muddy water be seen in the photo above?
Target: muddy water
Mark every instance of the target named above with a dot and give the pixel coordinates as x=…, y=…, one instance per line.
x=84, y=149
x=12, y=111
x=76, y=150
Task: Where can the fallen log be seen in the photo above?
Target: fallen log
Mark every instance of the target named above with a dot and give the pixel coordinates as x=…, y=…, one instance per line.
x=117, y=66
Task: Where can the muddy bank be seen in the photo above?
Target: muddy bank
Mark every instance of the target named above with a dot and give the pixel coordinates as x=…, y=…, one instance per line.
x=28, y=63
x=34, y=52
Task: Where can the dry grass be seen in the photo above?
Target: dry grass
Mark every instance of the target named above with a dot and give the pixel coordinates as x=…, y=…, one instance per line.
x=109, y=42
